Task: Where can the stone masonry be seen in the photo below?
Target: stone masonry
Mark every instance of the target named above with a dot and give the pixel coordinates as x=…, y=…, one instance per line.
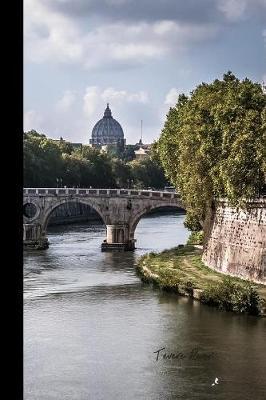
x=119, y=209
x=237, y=241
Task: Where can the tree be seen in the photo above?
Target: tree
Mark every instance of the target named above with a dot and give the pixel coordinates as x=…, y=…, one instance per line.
x=65, y=147
x=122, y=173
x=42, y=160
x=129, y=152
x=213, y=145
x=147, y=174
x=95, y=168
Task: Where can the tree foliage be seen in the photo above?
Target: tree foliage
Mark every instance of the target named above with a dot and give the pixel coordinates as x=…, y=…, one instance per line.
x=147, y=174
x=213, y=145
x=42, y=160
x=50, y=163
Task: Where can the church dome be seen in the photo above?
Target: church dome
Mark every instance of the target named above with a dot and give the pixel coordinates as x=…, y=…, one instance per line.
x=107, y=130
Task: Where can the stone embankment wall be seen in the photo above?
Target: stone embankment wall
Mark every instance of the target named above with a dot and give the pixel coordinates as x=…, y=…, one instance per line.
x=237, y=241
x=69, y=213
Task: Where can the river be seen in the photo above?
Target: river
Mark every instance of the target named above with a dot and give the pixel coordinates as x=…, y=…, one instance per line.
x=93, y=330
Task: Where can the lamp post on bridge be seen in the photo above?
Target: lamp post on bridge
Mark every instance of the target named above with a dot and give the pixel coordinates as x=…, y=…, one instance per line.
x=130, y=183
x=59, y=182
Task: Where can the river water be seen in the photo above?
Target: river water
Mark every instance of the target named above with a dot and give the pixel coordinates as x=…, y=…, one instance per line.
x=93, y=331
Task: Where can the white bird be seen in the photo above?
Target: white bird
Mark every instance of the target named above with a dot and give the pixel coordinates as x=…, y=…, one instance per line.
x=215, y=382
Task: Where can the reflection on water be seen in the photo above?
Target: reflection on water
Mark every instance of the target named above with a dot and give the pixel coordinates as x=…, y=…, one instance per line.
x=91, y=328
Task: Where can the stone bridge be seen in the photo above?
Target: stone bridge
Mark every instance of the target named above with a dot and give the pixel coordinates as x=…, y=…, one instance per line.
x=119, y=209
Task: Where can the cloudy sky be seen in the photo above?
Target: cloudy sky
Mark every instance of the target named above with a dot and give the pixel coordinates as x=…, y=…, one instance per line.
x=138, y=55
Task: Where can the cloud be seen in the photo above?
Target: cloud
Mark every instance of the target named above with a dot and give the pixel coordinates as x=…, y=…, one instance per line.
x=233, y=9
x=171, y=97
x=110, y=94
x=264, y=36
x=112, y=33
x=91, y=100
x=65, y=103
x=53, y=36
x=95, y=96
x=49, y=35
x=121, y=102
x=32, y=121
x=199, y=11
x=126, y=10
x=170, y=100
x=107, y=33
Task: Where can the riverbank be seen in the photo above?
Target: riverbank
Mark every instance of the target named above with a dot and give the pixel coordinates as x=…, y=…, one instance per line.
x=181, y=270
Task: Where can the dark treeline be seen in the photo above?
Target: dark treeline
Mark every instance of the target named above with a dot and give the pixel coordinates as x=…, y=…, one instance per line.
x=50, y=163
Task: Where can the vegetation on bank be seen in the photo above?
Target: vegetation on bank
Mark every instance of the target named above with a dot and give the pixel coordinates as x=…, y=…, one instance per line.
x=196, y=238
x=182, y=271
x=213, y=145
x=51, y=163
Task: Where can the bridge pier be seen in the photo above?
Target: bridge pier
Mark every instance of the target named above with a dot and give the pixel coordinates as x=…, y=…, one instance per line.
x=34, y=237
x=117, y=238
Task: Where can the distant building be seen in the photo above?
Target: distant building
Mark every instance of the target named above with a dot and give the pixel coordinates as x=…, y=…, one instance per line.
x=142, y=151
x=263, y=87
x=74, y=145
x=107, y=132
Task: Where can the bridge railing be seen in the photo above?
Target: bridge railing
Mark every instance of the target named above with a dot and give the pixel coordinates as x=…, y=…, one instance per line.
x=99, y=192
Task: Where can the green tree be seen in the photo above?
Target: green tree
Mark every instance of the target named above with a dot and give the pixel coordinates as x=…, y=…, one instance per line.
x=95, y=168
x=65, y=147
x=213, y=145
x=122, y=173
x=42, y=160
x=129, y=152
x=147, y=174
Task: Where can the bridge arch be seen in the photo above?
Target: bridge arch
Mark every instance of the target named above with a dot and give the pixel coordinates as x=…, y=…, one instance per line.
x=87, y=202
x=137, y=217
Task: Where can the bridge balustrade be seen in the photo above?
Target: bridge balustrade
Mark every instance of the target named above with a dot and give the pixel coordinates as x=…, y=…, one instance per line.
x=113, y=192
x=99, y=192
x=145, y=193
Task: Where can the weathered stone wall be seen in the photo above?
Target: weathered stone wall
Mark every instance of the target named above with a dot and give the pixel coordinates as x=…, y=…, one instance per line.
x=237, y=241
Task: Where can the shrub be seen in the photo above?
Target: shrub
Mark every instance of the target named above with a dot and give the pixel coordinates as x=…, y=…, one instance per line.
x=232, y=296
x=195, y=238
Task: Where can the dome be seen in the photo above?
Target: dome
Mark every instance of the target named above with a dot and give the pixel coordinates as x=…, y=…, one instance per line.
x=107, y=130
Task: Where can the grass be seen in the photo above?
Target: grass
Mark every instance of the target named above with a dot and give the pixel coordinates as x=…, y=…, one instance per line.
x=181, y=270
